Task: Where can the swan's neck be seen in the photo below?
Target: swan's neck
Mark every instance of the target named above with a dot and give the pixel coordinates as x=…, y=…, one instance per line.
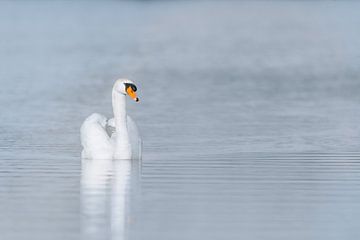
x=122, y=148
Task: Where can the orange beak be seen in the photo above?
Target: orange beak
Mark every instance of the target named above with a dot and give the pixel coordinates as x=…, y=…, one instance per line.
x=132, y=94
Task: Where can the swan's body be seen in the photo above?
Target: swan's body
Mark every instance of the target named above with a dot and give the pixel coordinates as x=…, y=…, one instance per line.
x=115, y=138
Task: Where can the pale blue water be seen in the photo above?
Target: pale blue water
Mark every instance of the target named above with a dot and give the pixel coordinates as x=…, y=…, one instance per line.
x=249, y=114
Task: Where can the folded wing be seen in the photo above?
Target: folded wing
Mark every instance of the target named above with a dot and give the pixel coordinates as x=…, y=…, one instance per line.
x=95, y=139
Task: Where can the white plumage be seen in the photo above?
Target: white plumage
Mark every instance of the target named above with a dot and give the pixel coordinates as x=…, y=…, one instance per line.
x=115, y=138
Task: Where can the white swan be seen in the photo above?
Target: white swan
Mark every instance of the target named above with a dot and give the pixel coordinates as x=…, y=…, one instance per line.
x=116, y=138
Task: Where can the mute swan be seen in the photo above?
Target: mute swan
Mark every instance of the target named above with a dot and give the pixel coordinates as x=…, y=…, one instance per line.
x=115, y=138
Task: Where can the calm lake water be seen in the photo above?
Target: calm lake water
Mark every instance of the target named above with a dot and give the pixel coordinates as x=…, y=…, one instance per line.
x=249, y=112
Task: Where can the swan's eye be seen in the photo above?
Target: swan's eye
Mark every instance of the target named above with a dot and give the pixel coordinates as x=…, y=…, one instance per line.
x=133, y=87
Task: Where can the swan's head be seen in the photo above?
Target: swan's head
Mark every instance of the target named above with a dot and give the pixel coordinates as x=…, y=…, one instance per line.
x=126, y=87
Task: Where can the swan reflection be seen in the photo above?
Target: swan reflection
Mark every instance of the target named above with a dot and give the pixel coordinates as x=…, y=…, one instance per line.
x=104, y=197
